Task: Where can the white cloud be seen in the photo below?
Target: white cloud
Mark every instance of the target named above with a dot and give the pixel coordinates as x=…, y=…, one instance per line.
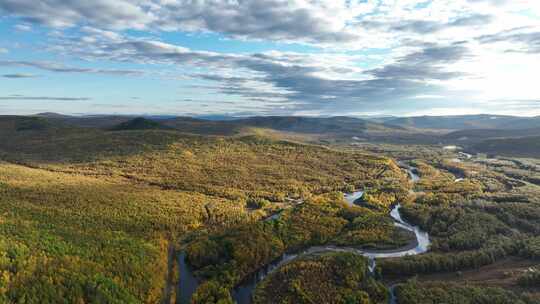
x=118, y=14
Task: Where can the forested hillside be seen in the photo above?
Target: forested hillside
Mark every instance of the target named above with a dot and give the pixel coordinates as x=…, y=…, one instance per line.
x=528, y=146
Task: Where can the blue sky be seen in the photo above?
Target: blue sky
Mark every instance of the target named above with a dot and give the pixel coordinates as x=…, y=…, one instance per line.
x=270, y=57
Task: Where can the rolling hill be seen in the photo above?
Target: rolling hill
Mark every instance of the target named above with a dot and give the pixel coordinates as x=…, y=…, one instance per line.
x=203, y=126
x=139, y=123
x=528, y=146
x=470, y=130
x=466, y=122
x=482, y=134
x=319, y=125
x=336, y=126
x=342, y=126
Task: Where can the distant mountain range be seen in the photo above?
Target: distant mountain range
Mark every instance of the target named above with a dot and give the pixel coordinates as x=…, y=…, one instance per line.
x=308, y=125
x=459, y=122
x=491, y=134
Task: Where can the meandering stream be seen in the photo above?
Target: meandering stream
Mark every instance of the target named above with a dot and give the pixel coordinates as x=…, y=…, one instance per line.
x=351, y=198
x=242, y=293
x=188, y=283
x=411, y=171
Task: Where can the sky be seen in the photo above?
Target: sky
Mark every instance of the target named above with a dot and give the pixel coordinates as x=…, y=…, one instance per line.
x=270, y=57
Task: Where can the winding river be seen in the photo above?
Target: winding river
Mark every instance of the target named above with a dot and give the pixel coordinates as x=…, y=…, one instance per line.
x=411, y=171
x=188, y=282
x=242, y=294
x=352, y=198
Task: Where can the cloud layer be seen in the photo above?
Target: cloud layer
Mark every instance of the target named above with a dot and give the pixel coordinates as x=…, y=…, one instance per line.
x=44, y=98
x=57, y=68
x=375, y=55
x=310, y=21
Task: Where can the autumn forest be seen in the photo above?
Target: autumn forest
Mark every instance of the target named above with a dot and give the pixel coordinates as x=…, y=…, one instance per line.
x=141, y=213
